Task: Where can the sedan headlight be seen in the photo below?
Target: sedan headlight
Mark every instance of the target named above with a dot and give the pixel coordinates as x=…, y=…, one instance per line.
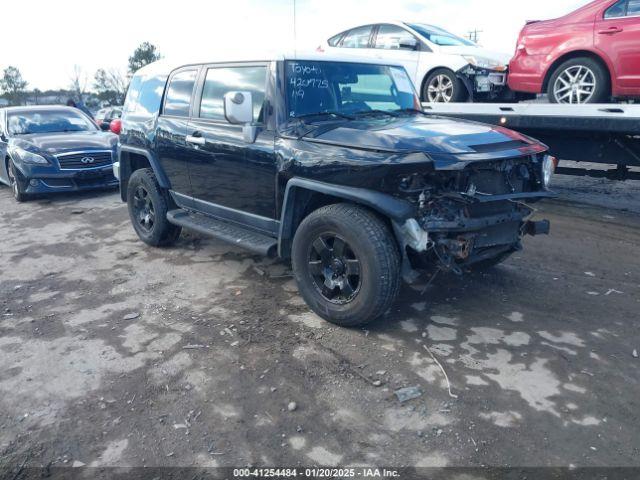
x=29, y=157
x=482, y=62
x=548, y=168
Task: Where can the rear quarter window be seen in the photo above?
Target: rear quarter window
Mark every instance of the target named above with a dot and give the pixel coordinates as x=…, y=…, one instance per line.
x=179, y=93
x=144, y=96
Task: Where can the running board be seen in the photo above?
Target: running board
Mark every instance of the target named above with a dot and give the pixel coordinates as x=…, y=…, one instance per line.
x=227, y=232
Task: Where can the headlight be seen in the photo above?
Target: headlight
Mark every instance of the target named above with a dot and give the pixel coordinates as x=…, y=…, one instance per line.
x=548, y=167
x=28, y=157
x=482, y=62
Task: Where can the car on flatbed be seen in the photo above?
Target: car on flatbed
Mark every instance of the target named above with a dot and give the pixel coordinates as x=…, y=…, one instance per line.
x=330, y=164
x=590, y=55
x=49, y=149
x=444, y=67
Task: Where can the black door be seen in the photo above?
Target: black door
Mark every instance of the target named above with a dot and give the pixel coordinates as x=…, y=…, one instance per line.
x=171, y=146
x=229, y=176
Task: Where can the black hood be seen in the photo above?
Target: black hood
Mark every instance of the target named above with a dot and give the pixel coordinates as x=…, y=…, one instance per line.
x=432, y=135
x=54, y=143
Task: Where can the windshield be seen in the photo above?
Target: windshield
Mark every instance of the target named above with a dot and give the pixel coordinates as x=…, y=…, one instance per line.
x=441, y=37
x=346, y=88
x=48, y=121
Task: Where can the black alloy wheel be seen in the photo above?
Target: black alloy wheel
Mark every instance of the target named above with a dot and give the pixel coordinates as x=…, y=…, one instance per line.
x=144, y=211
x=148, y=206
x=335, y=269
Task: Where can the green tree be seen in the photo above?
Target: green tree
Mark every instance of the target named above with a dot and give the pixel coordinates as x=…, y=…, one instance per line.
x=145, y=54
x=13, y=85
x=111, y=86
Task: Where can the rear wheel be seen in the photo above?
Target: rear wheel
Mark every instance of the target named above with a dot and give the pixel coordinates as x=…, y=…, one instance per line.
x=148, y=206
x=17, y=184
x=579, y=81
x=442, y=86
x=347, y=264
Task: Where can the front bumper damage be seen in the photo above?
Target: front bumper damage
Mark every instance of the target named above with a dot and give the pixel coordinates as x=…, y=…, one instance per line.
x=474, y=231
x=483, y=83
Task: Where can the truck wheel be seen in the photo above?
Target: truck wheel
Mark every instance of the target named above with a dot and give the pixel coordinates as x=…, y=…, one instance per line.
x=148, y=205
x=442, y=86
x=17, y=184
x=579, y=81
x=347, y=264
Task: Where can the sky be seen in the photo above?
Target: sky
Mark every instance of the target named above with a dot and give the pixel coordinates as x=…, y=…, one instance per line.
x=49, y=38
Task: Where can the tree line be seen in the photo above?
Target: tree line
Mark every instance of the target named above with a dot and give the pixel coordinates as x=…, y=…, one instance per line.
x=109, y=86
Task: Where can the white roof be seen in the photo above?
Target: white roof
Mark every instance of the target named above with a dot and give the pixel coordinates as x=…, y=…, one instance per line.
x=167, y=65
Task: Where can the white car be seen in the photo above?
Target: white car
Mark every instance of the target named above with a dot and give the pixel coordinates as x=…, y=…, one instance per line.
x=444, y=67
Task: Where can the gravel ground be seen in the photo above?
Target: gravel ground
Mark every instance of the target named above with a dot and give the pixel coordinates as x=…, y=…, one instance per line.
x=116, y=354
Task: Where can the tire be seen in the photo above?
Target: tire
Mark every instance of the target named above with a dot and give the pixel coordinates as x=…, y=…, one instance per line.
x=17, y=184
x=595, y=86
x=148, y=205
x=341, y=239
x=450, y=87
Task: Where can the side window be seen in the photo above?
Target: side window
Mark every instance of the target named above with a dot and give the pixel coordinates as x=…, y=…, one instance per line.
x=179, y=94
x=222, y=80
x=357, y=38
x=617, y=10
x=633, y=8
x=391, y=37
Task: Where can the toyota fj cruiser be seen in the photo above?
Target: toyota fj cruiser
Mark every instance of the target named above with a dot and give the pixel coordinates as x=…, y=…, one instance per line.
x=330, y=164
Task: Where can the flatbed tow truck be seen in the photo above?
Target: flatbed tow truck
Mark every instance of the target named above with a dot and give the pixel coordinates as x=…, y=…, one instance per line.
x=605, y=134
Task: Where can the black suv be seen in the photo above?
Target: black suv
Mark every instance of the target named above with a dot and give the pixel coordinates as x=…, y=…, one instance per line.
x=330, y=164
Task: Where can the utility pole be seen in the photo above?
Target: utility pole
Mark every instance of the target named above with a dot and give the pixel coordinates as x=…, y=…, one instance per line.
x=474, y=35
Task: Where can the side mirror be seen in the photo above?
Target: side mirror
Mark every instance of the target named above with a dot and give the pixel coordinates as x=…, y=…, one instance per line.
x=238, y=107
x=409, y=43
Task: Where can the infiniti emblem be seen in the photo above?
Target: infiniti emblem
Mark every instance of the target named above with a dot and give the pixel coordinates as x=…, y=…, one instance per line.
x=87, y=160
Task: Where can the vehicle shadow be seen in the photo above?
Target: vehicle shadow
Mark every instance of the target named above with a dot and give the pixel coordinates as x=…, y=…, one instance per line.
x=64, y=197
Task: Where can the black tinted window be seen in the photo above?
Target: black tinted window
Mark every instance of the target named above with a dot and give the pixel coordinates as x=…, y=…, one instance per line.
x=618, y=9
x=222, y=80
x=179, y=94
x=357, y=38
x=391, y=37
x=633, y=8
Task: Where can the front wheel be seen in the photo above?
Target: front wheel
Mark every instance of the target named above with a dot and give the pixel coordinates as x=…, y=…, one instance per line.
x=148, y=205
x=442, y=86
x=347, y=264
x=579, y=81
x=17, y=184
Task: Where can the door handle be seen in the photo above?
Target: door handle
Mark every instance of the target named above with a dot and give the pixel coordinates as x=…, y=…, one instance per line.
x=196, y=139
x=610, y=31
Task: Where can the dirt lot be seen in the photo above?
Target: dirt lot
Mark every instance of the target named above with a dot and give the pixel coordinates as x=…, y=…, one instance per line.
x=115, y=354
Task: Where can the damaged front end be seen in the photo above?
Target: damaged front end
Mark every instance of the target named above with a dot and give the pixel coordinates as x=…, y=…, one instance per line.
x=470, y=216
x=483, y=83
